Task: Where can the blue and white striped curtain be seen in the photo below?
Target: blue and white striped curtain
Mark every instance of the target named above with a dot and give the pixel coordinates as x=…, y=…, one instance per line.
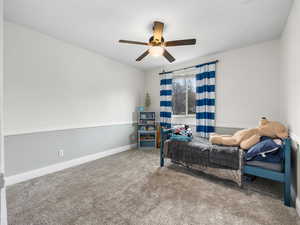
x=166, y=100
x=205, y=99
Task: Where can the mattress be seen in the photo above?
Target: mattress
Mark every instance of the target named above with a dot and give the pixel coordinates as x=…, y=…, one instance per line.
x=266, y=165
x=200, y=151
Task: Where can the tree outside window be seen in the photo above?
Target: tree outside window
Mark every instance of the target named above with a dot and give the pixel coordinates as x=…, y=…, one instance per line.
x=184, y=96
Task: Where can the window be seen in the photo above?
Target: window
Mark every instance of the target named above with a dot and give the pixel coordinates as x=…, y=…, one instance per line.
x=184, y=96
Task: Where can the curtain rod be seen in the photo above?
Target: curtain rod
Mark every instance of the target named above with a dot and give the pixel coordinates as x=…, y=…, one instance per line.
x=199, y=65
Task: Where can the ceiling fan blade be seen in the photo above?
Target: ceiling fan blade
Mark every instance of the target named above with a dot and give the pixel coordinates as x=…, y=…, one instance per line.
x=133, y=42
x=143, y=55
x=180, y=42
x=158, y=28
x=168, y=56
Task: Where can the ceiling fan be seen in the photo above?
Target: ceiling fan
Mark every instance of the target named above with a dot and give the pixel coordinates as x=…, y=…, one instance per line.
x=157, y=44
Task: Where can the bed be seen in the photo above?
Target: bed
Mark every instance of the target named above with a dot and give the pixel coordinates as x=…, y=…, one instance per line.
x=226, y=162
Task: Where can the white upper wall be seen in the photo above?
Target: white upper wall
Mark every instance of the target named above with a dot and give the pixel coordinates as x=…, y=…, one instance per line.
x=50, y=84
x=290, y=70
x=247, y=84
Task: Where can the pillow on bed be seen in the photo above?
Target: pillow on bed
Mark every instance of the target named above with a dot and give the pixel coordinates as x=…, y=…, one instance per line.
x=267, y=145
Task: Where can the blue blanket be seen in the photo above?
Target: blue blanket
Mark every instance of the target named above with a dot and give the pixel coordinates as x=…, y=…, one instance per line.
x=184, y=138
x=266, y=150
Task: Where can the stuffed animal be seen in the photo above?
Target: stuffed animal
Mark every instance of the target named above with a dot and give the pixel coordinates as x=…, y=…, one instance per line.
x=248, y=137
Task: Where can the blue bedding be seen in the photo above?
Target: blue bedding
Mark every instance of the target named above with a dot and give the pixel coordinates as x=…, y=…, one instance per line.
x=274, y=157
x=266, y=151
x=184, y=138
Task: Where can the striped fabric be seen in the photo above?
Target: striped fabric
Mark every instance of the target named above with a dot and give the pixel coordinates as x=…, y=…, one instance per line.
x=205, y=99
x=165, y=100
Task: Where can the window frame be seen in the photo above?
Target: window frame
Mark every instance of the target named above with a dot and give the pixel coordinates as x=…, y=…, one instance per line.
x=185, y=77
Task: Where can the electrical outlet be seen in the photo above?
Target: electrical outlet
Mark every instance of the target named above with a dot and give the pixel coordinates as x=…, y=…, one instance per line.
x=61, y=153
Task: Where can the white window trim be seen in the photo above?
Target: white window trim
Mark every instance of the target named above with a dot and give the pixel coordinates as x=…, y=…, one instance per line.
x=186, y=97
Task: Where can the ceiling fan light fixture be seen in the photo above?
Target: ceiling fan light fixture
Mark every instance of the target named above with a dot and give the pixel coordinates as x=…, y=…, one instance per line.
x=156, y=51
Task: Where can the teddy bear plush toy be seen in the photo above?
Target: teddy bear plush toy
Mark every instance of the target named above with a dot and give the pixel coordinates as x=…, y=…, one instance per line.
x=246, y=138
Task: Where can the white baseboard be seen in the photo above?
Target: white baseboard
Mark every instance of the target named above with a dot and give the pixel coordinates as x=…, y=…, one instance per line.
x=63, y=165
x=298, y=206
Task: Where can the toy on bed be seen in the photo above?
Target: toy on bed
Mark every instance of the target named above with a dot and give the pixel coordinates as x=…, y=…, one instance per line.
x=246, y=138
x=181, y=133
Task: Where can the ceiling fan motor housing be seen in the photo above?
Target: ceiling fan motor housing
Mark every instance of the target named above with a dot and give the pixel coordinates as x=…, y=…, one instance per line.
x=156, y=42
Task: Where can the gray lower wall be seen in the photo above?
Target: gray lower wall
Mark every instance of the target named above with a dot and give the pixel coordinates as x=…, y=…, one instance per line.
x=25, y=152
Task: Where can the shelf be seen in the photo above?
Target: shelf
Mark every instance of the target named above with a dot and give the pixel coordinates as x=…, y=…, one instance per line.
x=147, y=131
x=147, y=144
x=146, y=138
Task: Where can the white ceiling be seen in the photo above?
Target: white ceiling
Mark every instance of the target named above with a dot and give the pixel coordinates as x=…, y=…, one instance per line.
x=97, y=25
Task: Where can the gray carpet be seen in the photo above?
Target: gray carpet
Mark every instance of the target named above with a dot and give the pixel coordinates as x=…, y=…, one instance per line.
x=130, y=188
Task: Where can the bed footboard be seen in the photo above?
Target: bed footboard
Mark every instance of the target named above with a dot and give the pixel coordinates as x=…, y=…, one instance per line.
x=164, y=136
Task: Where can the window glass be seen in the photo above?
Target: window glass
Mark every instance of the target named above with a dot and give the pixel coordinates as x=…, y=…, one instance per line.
x=191, y=95
x=184, y=96
x=179, y=96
